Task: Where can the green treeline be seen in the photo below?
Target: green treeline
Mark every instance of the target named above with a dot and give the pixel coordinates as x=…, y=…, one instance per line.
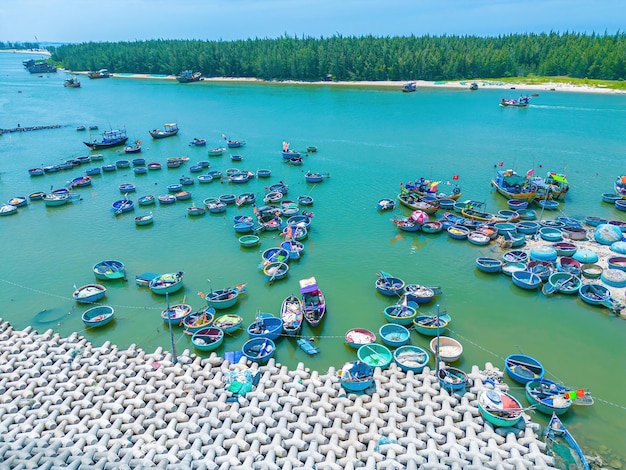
x=19, y=45
x=363, y=58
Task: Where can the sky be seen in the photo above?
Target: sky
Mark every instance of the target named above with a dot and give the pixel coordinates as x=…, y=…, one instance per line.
x=77, y=21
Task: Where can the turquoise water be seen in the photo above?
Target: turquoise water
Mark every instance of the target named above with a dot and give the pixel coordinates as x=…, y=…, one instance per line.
x=369, y=140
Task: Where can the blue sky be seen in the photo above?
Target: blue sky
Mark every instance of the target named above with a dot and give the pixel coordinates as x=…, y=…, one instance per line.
x=129, y=20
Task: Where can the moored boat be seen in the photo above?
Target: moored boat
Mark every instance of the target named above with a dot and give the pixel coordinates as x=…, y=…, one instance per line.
x=389, y=285
x=122, y=205
x=313, y=301
x=411, y=358
x=522, y=368
x=109, y=139
x=499, y=408
x=89, y=293
x=431, y=325
x=526, y=279
x=357, y=337
x=208, y=338
x=223, y=298
x=259, y=350
x=169, y=130
x=514, y=186
x=265, y=326
x=548, y=396
x=452, y=379
x=356, y=376
x=400, y=314
x=488, y=264
x=175, y=314
x=394, y=334
x=109, y=269
x=167, y=283
x=275, y=271
x=98, y=316
x=292, y=315
x=375, y=355
x=563, y=447
x=448, y=349
x=229, y=323
x=198, y=320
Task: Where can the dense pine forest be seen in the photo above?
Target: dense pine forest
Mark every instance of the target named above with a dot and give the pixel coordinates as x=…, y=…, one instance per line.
x=363, y=58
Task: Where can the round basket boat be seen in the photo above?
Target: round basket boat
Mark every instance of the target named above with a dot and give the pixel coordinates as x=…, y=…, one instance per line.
x=586, y=256
x=617, y=262
x=522, y=368
x=98, y=316
x=259, y=350
x=357, y=337
x=614, y=277
x=208, y=339
x=591, y=271
x=544, y=253
x=394, y=335
x=449, y=348
x=564, y=248
x=411, y=358
x=375, y=355
x=249, y=240
x=551, y=234
x=400, y=314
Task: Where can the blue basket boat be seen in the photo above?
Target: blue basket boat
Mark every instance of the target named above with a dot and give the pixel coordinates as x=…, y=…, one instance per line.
x=259, y=350
x=411, y=358
x=548, y=397
x=196, y=321
x=526, y=280
x=499, y=408
x=452, y=379
x=563, y=447
x=98, y=316
x=175, y=314
x=394, y=335
x=265, y=326
x=375, y=355
x=208, y=338
x=522, y=368
x=389, y=285
x=356, y=376
x=487, y=264
x=400, y=314
x=109, y=269
x=431, y=325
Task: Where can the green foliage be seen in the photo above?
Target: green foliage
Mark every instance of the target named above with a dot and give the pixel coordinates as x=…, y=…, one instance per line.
x=367, y=58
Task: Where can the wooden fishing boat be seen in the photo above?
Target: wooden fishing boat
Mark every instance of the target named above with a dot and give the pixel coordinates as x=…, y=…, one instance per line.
x=389, y=285
x=416, y=202
x=154, y=166
x=522, y=368
x=169, y=130
x=122, y=163
x=205, y=179
x=514, y=186
x=235, y=144
x=145, y=219
x=198, y=320
x=263, y=173
x=510, y=267
x=245, y=198
x=400, y=314
x=167, y=283
x=80, y=182
x=311, y=177
x=258, y=350
x=275, y=271
x=109, y=139
x=36, y=196
x=488, y=264
x=526, y=280
x=406, y=224
x=431, y=325
x=522, y=102
x=313, y=301
x=208, y=339
x=36, y=171
x=527, y=214
x=375, y=355
x=98, y=316
x=411, y=358
x=243, y=227
x=175, y=314
x=394, y=335
x=563, y=447
x=109, y=269
x=452, y=379
x=448, y=349
x=217, y=152
x=265, y=326
x=223, y=298
x=228, y=323
x=356, y=376
x=548, y=204
x=548, y=397
x=292, y=315
x=357, y=337
x=194, y=211
x=305, y=200
x=499, y=408
x=198, y=142
x=89, y=293
x=574, y=233
x=136, y=148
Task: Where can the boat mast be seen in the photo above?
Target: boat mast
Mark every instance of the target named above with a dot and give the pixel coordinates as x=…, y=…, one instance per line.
x=169, y=322
x=437, y=349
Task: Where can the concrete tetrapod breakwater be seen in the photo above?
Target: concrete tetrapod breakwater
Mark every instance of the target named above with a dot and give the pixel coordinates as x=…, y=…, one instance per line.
x=67, y=404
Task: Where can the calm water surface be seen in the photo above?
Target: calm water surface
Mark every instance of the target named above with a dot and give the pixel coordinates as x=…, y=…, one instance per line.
x=369, y=140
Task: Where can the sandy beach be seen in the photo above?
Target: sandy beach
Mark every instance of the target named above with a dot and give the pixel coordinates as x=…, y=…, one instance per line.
x=420, y=84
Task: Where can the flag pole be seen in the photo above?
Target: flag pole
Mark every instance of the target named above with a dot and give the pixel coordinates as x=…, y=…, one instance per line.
x=169, y=322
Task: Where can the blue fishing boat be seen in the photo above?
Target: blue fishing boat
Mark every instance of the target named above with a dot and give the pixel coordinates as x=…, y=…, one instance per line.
x=394, y=335
x=274, y=254
x=311, y=177
x=499, y=408
x=98, y=316
x=356, y=376
x=452, y=379
x=375, y=355
x=223, y=298
x=292, y=315
x=420, y=294
x=122, y=205
x=198, y=320
x=564, y=282
x=522, y=368
x=229, y=323
x=249, y=240
x=526, y=280
x=109, y=269
x=514, y=186
x=109, y=139
x=258, y=350
x=400, y=314
x=275, y=271
x=599, y=295
x=411, y=358
x=548, y=396
x=458, y=232
x=265, y=326
x=563, y=447
x=431, y=325
x=208, y=339
x=389, y=285
x=167, y=283
x=169, y=130
x=488, y=265
x=89, y=293
x=175, y=314
x=357, y=337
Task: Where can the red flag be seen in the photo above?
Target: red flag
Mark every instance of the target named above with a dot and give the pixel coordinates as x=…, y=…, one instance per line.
x=501, y=163
x=530, y=172
x=455, y=177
